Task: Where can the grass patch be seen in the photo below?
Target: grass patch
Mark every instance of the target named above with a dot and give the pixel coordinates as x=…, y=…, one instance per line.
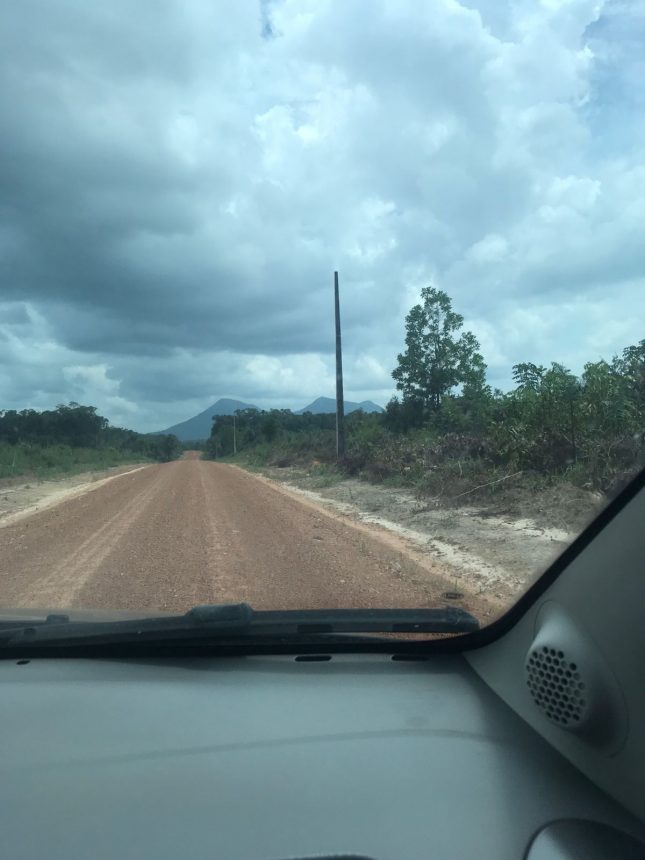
x=59, y=460
x=322, y=475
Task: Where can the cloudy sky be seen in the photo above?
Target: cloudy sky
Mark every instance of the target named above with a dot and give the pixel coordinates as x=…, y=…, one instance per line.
x=179, y=179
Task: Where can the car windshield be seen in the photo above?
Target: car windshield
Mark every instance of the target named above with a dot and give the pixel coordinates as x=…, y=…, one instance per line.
x=314, y=304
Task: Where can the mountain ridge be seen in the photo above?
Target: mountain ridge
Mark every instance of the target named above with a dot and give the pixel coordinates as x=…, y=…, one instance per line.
x=324, y=405
x=198, y=427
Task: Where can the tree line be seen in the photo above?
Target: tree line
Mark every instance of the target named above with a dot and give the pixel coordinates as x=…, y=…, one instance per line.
x=78, y=426
x=589, y=428
x=552, y=421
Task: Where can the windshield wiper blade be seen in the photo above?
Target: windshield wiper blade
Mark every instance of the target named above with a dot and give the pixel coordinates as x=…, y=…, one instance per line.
x=239, y=621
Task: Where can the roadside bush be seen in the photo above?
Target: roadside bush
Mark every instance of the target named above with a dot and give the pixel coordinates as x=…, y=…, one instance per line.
x=554, y=426
x=73, y=438
x=48, y=461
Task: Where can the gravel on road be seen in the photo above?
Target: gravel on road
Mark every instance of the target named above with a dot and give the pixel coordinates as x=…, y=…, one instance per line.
x=167, y=537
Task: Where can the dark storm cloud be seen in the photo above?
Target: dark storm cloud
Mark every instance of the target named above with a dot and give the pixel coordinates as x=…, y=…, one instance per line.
x=103, y=208
x=178, y=182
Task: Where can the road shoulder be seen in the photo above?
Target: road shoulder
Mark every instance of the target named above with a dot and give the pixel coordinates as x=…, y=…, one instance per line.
x=20, y=500
x=486, y=555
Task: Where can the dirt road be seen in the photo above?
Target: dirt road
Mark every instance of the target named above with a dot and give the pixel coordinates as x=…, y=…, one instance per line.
x=168, y=537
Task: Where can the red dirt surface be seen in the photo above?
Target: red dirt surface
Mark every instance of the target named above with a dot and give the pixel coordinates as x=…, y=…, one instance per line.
x=168, y=537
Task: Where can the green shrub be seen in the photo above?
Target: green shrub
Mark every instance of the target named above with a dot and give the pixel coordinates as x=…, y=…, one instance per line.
x=52, y=460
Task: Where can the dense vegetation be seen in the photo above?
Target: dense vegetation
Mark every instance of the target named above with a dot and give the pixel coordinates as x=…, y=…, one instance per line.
x=448, y=432
x=70, y=439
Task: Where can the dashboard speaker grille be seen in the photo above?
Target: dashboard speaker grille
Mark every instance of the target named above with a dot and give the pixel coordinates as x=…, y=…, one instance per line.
x=570, y=682
x=557, y=687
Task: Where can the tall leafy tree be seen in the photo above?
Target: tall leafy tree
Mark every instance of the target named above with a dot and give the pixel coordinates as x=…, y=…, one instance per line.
x=610, y=410
x=438, y=355
x=631, y=366
x=539, y=422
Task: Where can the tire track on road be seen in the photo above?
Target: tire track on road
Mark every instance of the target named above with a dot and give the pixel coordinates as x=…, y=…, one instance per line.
x=220, y=543
x=68, y=576
x=163, y=562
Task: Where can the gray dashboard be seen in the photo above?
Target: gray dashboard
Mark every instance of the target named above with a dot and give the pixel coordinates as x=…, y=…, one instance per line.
x=269, y=757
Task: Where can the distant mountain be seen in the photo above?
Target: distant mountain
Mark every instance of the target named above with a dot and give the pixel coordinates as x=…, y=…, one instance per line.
x=328, y=404
x=199, y=427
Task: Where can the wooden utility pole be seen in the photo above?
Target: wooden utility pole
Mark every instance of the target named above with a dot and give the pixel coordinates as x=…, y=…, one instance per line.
x=213, y=428
x=340, y=405
x=234, y=436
